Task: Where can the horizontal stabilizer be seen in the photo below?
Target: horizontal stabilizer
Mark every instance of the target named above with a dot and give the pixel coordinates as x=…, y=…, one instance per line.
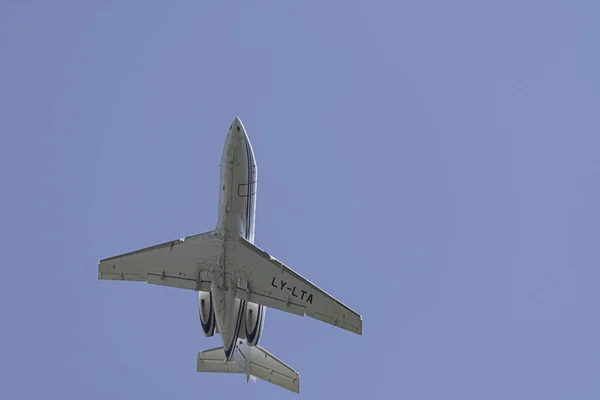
x=261, y=364
x=267, y=367
x=214, y=360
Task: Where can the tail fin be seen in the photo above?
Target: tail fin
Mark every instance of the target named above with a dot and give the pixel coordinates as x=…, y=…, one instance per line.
x=261, y=364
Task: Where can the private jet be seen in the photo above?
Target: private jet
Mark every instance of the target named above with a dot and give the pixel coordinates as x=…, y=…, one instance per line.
x=235, y=280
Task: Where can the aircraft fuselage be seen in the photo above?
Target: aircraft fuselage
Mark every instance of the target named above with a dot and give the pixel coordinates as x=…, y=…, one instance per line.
x=237, y=206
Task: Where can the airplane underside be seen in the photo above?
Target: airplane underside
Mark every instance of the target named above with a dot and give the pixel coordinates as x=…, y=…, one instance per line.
x=235, y=280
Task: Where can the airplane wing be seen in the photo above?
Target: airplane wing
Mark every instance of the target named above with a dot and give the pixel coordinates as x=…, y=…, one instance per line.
x=182, y=263
x=265, y=280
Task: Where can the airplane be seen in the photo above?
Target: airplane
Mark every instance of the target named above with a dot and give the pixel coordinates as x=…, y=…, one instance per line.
x=235, y=280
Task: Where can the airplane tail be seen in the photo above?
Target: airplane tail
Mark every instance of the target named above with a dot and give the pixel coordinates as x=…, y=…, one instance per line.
x=260, y=364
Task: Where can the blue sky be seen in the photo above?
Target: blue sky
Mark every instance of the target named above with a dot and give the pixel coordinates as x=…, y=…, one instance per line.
x=432, y=164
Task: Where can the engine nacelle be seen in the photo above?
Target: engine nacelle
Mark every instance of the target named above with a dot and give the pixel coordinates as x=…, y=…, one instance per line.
x=254, y=317
x=207, y=313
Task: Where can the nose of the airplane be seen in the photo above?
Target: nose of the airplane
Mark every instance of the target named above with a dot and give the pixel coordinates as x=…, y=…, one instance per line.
x=236, y=140
x=237, y=127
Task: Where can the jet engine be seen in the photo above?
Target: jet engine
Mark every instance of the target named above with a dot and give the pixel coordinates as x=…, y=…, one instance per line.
x=255, y=315
x=207, y=313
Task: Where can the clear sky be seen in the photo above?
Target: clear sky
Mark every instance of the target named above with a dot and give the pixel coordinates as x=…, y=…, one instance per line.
x=432, y=164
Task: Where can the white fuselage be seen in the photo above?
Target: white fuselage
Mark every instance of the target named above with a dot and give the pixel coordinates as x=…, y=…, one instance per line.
x=237, y=205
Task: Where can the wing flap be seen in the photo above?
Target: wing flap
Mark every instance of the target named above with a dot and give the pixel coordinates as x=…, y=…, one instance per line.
x=271, y=302
x=182, y=283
